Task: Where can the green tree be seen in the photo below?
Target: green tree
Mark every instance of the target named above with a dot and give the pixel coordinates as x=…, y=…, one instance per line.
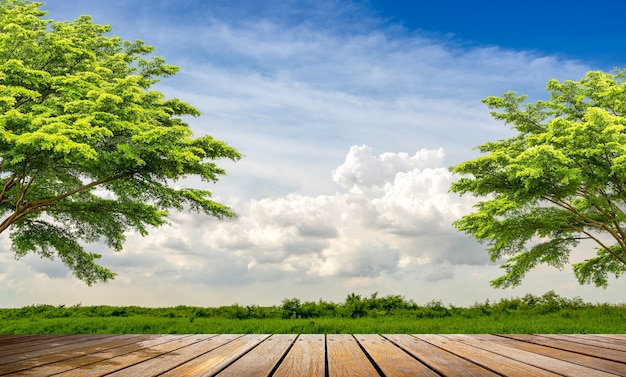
x=87, y=149
x=561, y=179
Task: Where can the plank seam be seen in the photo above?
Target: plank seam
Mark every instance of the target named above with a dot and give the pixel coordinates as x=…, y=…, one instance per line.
x=575, y=362
x=478, y=345
x=574, y=339
x=69, y=358
x=326, y=361
x=463, y=357
x=564, y=349
x=280, y=361
x=240, y=356
x=155, y=356
x=369, y=357
x=414, y=356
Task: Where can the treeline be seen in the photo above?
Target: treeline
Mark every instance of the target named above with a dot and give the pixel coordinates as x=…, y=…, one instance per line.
x=354, y=306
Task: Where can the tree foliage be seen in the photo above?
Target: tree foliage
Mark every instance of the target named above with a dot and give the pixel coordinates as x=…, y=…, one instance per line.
x=87, y=149
x=561, y=179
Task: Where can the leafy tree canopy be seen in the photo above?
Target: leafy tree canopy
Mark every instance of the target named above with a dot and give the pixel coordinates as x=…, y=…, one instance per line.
x=87, y=149
x=560, y=180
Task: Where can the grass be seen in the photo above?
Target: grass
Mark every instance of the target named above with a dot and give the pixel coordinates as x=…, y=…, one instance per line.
x=387, y=315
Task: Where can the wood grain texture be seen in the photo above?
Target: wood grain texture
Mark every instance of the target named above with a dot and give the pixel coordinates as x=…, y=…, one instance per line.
x=210, y=363
x=333, y=355
x=443, y=362
x=591, y=341
x=306, y=358
x=71, y=354
x=198, y=345
x=12, y=344
x=567, y=356
x=346, y=358
x=585, y=349
x=38, y=348
x=261, y=360
x=390, y=360
x=540, y=361
x=101, y=363
x=489, y=360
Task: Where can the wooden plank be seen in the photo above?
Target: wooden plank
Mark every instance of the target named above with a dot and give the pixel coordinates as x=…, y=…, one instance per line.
x=58, y=347
x=57, y=354
x=618, y=337
x=100, y=363
x=609, y=338
x=9, y=337
x=584, y=349
x=571, y=357
x=541, y=361
x=214, y=361
x=489, y=360
x=167, y=361
x=440, y=360
x=262, y=359
x=390, y=359
x=24, y=340
x=590, y=340
x=305, y=359
x=346, y=358
x=47, y=344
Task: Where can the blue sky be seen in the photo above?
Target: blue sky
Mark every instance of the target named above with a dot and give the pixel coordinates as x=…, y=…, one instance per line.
x=349, y=114
x=574, y=30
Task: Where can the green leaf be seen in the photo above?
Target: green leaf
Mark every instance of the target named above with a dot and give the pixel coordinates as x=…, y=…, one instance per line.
x=77, y=113
x=560, y=180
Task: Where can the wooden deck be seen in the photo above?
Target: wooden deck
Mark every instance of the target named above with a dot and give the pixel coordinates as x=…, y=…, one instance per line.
x=313, y=355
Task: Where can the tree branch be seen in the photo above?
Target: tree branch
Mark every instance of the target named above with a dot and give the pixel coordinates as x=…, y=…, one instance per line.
x=31, y=207
x=591, y=222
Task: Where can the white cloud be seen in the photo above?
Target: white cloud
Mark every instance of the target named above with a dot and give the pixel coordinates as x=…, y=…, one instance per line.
x=396, y=212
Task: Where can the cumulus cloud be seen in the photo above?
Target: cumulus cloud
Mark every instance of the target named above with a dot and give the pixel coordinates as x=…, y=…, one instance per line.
x=394, y=212
x=390, y=216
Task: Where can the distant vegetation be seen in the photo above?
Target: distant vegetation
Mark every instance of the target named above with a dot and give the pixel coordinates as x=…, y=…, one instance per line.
x=549, y=313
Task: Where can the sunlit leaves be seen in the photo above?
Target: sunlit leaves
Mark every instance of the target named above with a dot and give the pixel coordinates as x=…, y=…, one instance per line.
x=77, y=114
x=561, y=180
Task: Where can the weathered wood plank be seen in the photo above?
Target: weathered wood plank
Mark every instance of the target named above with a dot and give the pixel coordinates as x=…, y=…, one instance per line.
x=24, y=340
x=489, y=360
x=346, y=358
x=568, y=356
x=584, y=349
x=214, y=361
x=391, y=360
x=198, y=345
x=262, y=359
x=306, y=358
x=33, y=347
x=365, y=355
x=617, y=337
x=106, y=361
x=62, y=347
x=10, y=337
x=440, y=360
x=62, y=354
x=590, y=340
x=541, y=361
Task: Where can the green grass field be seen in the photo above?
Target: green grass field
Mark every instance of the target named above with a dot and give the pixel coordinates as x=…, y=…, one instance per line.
x=549, y=313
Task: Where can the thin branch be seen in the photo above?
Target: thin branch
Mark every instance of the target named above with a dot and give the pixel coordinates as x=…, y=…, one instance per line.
x=597, y=240
x=24, y=190
x=31, y=207
x=588, y=220
x=7, y=187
